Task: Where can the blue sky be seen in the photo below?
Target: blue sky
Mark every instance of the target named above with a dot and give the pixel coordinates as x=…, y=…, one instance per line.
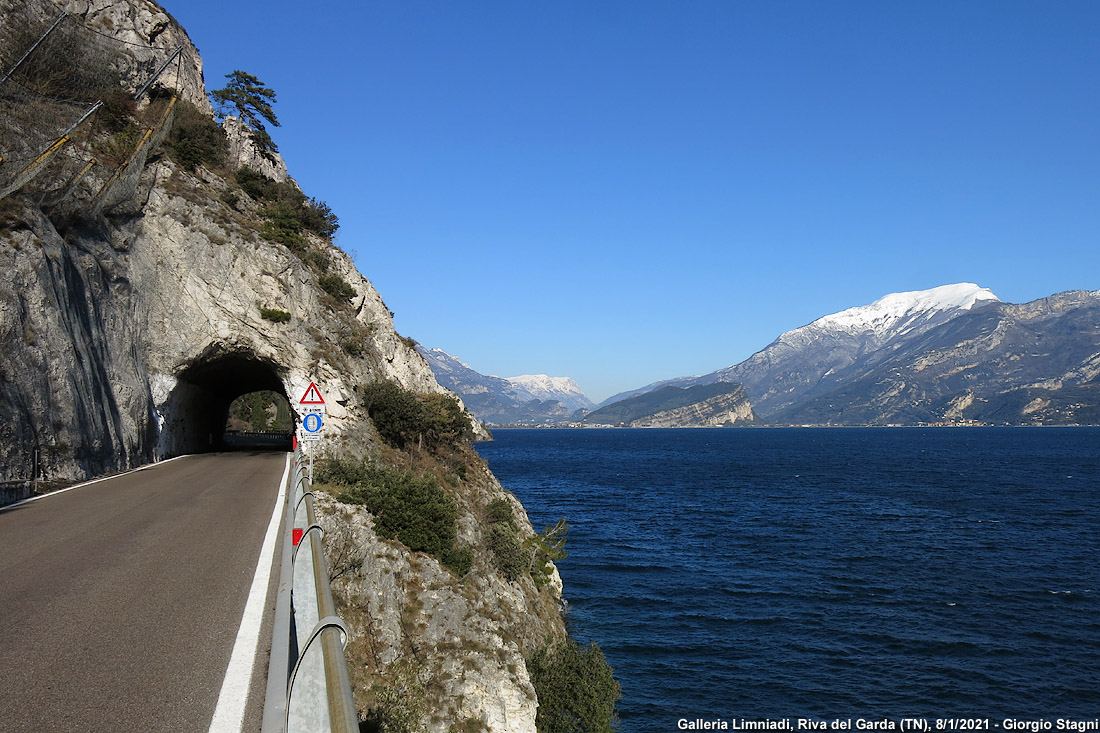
x=622, y=192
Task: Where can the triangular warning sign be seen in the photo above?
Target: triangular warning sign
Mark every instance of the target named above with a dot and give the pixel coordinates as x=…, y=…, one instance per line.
x=312, y=396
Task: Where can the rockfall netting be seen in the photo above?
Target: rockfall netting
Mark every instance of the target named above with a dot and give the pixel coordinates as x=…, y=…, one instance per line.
x=79, y=109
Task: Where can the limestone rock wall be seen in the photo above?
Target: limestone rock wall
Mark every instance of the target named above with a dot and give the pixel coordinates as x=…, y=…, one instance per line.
x=118, y=319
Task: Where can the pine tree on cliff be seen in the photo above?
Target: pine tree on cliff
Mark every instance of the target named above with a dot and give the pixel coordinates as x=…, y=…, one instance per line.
x=252, y=100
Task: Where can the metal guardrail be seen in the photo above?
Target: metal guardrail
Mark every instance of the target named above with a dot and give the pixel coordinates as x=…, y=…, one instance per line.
x=308, y=688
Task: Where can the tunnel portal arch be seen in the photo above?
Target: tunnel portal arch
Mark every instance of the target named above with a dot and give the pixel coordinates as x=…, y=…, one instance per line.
x=195, y=413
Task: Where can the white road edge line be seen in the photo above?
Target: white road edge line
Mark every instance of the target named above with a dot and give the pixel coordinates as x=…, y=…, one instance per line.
x=229, y=712
x=47, y=495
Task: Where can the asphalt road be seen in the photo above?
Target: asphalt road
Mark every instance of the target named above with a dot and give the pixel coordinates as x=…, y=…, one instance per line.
x=120, y=601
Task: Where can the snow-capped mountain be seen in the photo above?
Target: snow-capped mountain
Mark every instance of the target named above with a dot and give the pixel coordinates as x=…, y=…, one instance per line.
x=808, y=361
x=526, y=399
x=901, y=313
x=801, y=360
x=1035, y=363
x=952, y=354
x=543, y=387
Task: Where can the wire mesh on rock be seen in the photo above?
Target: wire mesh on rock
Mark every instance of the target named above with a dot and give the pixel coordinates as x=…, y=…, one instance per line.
x=52, y=74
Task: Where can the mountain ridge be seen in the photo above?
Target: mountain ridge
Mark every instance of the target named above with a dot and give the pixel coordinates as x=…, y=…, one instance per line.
x=703, y=405
x=833, y=370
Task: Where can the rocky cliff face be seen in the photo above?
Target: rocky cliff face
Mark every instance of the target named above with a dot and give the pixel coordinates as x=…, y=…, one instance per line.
x=131, y=322
x=129, y=336
x=147, y=29
x=129, y=331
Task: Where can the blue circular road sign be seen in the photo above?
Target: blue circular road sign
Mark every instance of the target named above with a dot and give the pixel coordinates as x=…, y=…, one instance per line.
x=312, y=423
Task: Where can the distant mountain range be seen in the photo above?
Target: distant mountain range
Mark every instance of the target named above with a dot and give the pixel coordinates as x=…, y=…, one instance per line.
x=529, y=399
x=954, y=355
x=950, y=355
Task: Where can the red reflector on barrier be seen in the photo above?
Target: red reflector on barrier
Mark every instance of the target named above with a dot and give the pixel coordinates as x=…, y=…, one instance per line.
x=296, y=536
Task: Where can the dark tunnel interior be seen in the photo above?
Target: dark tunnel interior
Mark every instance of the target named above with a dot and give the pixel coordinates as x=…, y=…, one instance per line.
x=197, y=409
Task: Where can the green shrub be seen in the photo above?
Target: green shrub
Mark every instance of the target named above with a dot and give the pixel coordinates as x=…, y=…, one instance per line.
x=195, y=138
x=317, y=217
x=354, y=347
x=396, y=412
x=306, y=213
x=535, y=555
x=448, y=424
x=414, y=511
x=344, y=472
x=274, y=315
x=337, y=287
x=398, y=702
x=256, y=184
x=117, y=148
x=231, y=198
x=499, y=511
x=404, y=419
x=576, y=689
x=511, y=558
x=117, y=112
x=281, y=225
x=458, y=559
x=411, y=509
x=316, y=259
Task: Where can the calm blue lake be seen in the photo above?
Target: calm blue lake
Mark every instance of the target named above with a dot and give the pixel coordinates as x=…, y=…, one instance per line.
x=825, y=573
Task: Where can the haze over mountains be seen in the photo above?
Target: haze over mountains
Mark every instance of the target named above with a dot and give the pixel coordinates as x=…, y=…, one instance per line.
x=954, y=354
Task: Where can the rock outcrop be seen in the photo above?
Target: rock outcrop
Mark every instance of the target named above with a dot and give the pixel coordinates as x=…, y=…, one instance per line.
x=148, y=30
x=722, y=404
x=243, y=151
x=724, y=410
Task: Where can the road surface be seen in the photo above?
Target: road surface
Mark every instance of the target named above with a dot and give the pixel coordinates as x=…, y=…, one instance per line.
x=120, y=601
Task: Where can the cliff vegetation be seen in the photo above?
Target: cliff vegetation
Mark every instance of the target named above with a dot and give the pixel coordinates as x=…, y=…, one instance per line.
x=454, y=598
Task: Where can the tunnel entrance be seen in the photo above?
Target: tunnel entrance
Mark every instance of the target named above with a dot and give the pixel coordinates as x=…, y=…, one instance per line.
x=197, y=416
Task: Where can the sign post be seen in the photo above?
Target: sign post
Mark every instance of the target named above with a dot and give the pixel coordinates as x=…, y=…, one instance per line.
x=312, y=409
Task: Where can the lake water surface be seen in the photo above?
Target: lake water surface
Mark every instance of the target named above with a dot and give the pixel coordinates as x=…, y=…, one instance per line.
x=827, y=573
